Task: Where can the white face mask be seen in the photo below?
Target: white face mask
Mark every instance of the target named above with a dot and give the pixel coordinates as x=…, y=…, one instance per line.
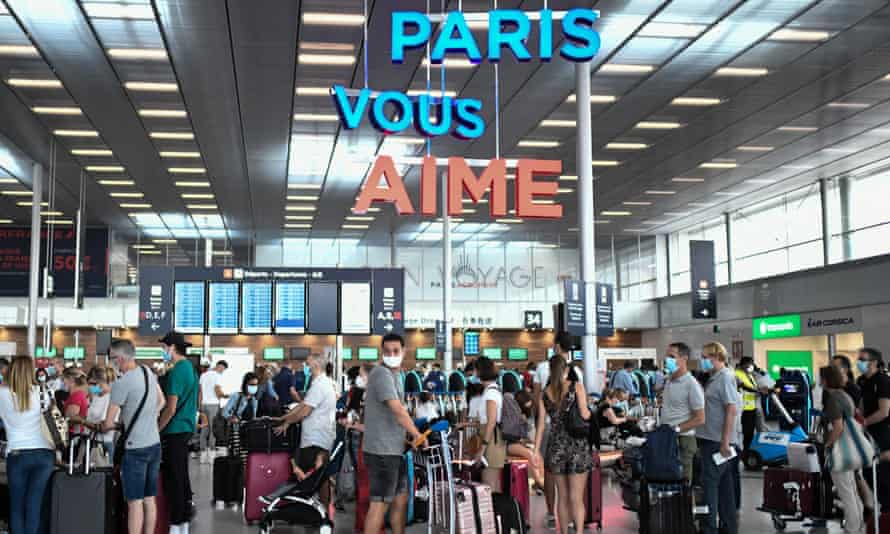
x=393, y=362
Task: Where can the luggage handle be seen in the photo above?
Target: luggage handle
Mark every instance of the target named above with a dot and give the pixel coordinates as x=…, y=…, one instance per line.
x=876, y=514
x=86, y=460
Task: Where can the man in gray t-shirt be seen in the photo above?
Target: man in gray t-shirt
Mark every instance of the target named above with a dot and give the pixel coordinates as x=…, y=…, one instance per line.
x=386, y=422
x=683, y=404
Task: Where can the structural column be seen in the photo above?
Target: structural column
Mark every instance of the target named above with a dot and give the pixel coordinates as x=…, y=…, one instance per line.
x=846, y=239
x=446, y=278
x=662, y=271
x=34, y=280
x=730, y=263
x=826, y=234
x=616, y=267
x=586, y=214
x=208, y=262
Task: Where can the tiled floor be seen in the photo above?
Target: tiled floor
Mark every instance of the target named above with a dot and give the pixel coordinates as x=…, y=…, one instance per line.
x=616, y=519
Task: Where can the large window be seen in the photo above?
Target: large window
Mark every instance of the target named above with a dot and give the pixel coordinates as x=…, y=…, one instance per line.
x=713, y=230
x=859, y=219
x=637, y=268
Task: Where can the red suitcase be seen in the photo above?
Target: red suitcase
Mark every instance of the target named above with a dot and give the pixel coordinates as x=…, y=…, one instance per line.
x=516, y=484
x=593, y=494
x=808, y=499
x=162, y=524
x=883, y=523
x=265, y=473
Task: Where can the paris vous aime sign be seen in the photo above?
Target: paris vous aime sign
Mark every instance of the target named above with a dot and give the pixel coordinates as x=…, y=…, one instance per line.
x=392, y=112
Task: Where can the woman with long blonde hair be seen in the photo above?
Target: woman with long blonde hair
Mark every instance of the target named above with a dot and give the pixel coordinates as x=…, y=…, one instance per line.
x=30, y=459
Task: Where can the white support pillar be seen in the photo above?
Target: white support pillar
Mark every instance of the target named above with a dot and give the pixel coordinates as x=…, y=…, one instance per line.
x=826, y=234
x=208, y=262
x=393, y=257
x=34, y=279
x=448, y=364
x=662, y=270
x=730, y=262
x=586, y=214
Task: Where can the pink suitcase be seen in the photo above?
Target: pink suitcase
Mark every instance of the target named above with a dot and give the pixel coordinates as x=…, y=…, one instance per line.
x=483, y=507
x=516, y=484
x=264, y=473
x=465, y=512
x=593, y=498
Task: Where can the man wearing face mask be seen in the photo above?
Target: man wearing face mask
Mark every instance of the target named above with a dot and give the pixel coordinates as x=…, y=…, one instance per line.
x=683, y=403
x=875, y=407
x=744, y=374
x=386, y=422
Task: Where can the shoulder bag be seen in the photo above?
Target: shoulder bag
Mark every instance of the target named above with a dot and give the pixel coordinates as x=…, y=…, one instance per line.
x=53, y=424
x=121, y=446
x=854, y=450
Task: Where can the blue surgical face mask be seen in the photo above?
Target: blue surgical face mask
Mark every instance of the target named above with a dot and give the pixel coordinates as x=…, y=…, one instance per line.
x=707, y=364
x=252, y=389
x=51, y=371
x=622, y=405
x=670, y=365
x=95, y=390
x=862, y=365
x=474, y=380
x=167, y=355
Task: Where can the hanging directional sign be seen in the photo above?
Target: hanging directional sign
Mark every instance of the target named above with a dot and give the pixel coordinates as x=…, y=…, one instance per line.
x=388, y=301
x=576, y=307
x=441, y=336
x=704, y=284
x=155, y=300
x=605, y=315
x=534, y=319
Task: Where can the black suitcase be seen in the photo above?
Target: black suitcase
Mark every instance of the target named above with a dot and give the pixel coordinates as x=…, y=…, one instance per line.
x=228, y=479
x=257, y=436
x=509, y=513
x=666, y=507
x=73, y=493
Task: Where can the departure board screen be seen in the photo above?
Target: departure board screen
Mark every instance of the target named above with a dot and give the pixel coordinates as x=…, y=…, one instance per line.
x=223, y=308
x=322, y=308
x=188, y=307
x=290, y=307
x=355, y=308
x=256, y=307
x=471, y=343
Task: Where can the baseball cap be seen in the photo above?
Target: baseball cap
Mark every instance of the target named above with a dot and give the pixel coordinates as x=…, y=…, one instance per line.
x=174, y=338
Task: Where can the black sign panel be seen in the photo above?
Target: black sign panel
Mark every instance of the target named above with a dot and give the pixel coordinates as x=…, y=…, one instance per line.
x=576, y=307
x=534, y=319
x=441, y=336
x=605, y=315
x=321, y=308
x=15, y=261
x=704, y=286
x=388, y=301
x=155, y=300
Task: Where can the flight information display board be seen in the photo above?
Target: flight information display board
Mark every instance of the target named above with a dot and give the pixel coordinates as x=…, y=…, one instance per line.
x=355, y=308
x=290, y=307
x=256, y=307
x=322, y=308
x=223, y=308
x=471, y=343
x=188, y=314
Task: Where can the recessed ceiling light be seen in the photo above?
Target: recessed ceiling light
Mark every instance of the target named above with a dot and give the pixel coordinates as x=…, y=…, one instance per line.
x=569, y=178
x=791, y=34
x=700, y=204
x=183, y=136
x=111, y=10
x=297, y=226
x=360, y=218
x=355, y=226
x=186, y=170
x=726, y=193
x=326, y=46
x=192, y=183
x=179, y=154
x=160, y=87
x=450, y=63
x=34, y=83
x=374, y=209
x=760, y=181
x=303, y=198
x=636, y=230
x=835, y=150
x=136, y=205
x=741, y=71
x=116, y=182
x=28, y=204
x=671, y=30
x=594, y=99
x=16, y=193
x=59, y=222
x=508, y=221
x=620, y=68
x=6, y=221
x=616, y=213
x=163, y=113
x=695, y=101
x=718, y=165
x=754, y=148
x=56, y=110
x=660, y=192
x=313, y=91
x=626, y=146
x=563, y=190
x=403, y=140
x=304, y=186
x=17, y=50
x=327, y=59
x=682, y=179
x=797, y=129
x=636, y=203
x=197, y=196
x=542, y=201
x=76, y=133
x=605, y=163
x=104, y=168
x=557, y=123
x=299, y=208
x=536, y=143
x=299, y=217
x=122, y=194
x=432, y=92
x=201, y=206
x=164, y=241
x=848, y=105
x=51, y=213
x=150, y=252
x=138, y=53
x=332, y=19
x=8, y=181
x=658, y=125
x=316, y=117
x=91, y=152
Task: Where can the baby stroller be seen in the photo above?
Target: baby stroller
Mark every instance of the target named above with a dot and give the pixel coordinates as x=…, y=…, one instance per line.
x=297, y=503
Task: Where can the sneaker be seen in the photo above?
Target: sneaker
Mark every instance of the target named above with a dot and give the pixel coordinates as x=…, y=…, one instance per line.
x=551, y=521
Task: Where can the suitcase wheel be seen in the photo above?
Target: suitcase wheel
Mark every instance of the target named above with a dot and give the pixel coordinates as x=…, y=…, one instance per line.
x=779, y=524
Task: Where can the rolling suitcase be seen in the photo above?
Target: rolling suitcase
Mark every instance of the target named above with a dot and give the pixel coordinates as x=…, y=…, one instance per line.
x=464, y=510
x=483, y=507
x=72, y=493
x=807, y=494
x=228, y=479
x=515, y=484
x=666, y=507
x=593, y=494
x=257, y=435
x=509, y=514
x=265, y=473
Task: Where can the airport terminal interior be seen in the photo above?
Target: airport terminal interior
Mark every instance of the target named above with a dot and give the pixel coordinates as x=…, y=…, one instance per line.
x=451, y=266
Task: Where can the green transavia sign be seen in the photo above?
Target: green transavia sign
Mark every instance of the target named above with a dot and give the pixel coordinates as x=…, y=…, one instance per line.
x=776, y=326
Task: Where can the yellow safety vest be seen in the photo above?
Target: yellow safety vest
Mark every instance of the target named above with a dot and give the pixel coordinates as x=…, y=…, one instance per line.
x=749, y=399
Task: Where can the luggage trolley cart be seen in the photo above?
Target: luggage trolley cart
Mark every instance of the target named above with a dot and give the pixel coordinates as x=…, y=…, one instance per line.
x=434, y=462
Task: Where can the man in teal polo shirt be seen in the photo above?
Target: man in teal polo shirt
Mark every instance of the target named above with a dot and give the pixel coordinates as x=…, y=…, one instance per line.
x=177, y=424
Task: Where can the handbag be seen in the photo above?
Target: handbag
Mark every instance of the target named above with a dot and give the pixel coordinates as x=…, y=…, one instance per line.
x=53, y=425
x=853, y=450
x=220, y=428
x=576, y=425
x=121, y=446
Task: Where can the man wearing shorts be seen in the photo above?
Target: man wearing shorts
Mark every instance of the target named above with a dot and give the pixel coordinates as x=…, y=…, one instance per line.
x=142, y=457
x=386, y=422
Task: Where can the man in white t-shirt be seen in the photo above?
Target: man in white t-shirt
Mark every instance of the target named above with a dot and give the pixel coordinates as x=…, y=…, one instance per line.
x=210, y=393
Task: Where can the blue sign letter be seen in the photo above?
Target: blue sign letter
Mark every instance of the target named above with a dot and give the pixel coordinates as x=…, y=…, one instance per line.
x=514, y=40
x=401, y=20
x=448, y=42
x=584, y=40
x=545, y=41
x=423, y=121
x=350, y=116
x=469, y=125
x=404, y=112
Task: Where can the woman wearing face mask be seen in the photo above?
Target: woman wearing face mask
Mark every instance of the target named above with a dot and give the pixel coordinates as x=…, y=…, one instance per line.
x=99, y=390
x=242, y=406
x=76, y=407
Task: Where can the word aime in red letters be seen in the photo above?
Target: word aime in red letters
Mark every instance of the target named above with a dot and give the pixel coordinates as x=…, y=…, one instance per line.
x=461, y=179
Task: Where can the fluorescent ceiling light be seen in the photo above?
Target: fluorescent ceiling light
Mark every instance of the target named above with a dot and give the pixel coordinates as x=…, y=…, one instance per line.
x=116, y=182
x=304, y=186
x=104, y=168
x=299, y=208
x=138, y=53
x=681, y=179
x=121, y=194
x=360, y=218
x=313, y=91
x=17, y=50
x=508, y=221
x=59, y=222
x=626, y=146
x=432, y=92
x=303, y=198
x=719, y=165
x=754, y=148
x=797, y=129
x=161, y=87
x=332, y=19
x=848, y=105
x=150, y=252
x=28, y=204
x=557, y=123
x=658, y=125
x=179, y=154
x=299, y=217
x=396, y=140
x=543, y=201
x=695, y=101
x=111, y=10
x=700, y=204
x=355, y=226
x=534, y=143
x=56, y=110
x=569, y=178
x=316, y=117
x=327, y=59
x=16, y=193
x=636, y=230
x=297, y=226
x=741, y=71
x=660, y=192
x=192, y=183
x=197, y=196
x=186, y=170
x=616, y=213
x=143, y=246
x=326, y=47
x=164, y=241
x=76, y=133
x=791, y=34
x=34, y=83
x=594, y=99
x=726, y=194
x=450, y=63
x=163, y=113
x=671, y=30
x=6, y=221
x=183, y=136
x=136, y=205
x=91, y=152
x=620, y=68
x=8, y=181
x=201, y=206
x=374, y=209
x=564, y=190
x=605, y=163
x=760, y=181
x=636, y=203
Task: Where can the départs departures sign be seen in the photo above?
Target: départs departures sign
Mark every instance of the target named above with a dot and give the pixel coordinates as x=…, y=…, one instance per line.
x=507, y=30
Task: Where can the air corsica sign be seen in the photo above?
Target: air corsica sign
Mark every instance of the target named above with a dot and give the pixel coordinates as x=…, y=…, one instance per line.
x=433, y=115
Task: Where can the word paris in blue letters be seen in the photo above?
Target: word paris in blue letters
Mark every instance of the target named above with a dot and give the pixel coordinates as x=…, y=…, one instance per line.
x=433, y=115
